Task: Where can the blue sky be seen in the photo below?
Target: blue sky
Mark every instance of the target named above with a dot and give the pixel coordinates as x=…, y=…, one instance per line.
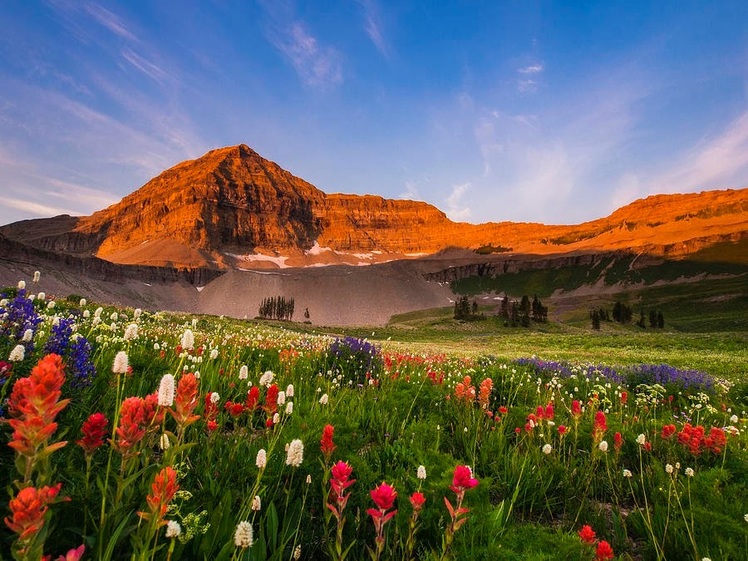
x=557, y=112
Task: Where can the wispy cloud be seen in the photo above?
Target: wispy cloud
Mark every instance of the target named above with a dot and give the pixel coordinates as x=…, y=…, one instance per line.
x=456, y=208
x=317, y=65
x=528, y=80
x=374, y=27
x=109, y=20
x=36, y=209
x=532, y=69
x=411, y=191
x=148, y=68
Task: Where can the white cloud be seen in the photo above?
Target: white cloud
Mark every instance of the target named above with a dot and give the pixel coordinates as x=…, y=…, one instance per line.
x=317, y=66
x=148, y=68
x=456, y=209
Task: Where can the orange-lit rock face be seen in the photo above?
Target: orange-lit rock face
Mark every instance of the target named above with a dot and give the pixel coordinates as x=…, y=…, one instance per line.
x=231, y=201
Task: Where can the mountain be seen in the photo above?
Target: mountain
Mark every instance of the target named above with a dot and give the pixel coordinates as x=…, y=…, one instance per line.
x=233, y=209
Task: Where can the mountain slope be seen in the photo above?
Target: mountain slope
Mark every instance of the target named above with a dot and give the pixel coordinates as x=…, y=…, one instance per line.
x=231, y=208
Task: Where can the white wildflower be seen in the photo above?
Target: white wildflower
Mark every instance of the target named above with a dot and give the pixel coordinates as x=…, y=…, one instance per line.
x=603, y=446
x=98, y=312
x=297, y=552
x=213, y=354
x=114, y=316
x=136, y=314
x=295, y=453
x=289, y=390
x=82, y=302
x=243, y=372
x=243, y=536
x=421, y=472
x=17, y=354
x=51, y=305
x=734, y=419
x=37, y=276
x=323, y=400
x=641, y=439
x=164, y=442
x=86, y=314
x=166, y=391
x=308, y=479
x=547, y=448
x=27, y=336
x=21, y=284
x=42, y=296
x=257, y=503
x=120, y=363
x=262, y=458
x=214, y=398
x=689, y=472
x=173, y=529
x=289, y=408
x=188, y=340
x=668, y=468
x=627, y=473
x=131, y=332
x=281, y=398
x=267, y=379
x=276, y=418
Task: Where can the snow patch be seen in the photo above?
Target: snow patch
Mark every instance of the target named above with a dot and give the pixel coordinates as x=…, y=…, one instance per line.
x=199, y=288
x=280, y=261
x=316, y=249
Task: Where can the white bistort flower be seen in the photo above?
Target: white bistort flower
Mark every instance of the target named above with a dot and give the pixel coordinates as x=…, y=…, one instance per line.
x=17, y=354
x=262, y=458
x=213, y=354
x=21, y=284
x=257, y=503
x=689, y=472
x=42, y=296
x=37, y=276
x=214, y=398
x=27, y=336
x=289, y=407
x=173, y=529
x=164, y=442
x=627, y=473
x=166, y=391
x=243, y=372
x=83, y=302
x=289, y=390
x=603, y=446
x=243, y=536
x=421, y=472
x=281, y=398
x=295, y=453
x=668, y=468
x=131, y=332
x=547, y=448
x=188, y=340
x=323, y=399
x=120, y=364
x=267, y=379
x=641, y=439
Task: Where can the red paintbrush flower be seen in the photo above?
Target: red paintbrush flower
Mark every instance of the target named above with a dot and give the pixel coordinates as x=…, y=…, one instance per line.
x=185, y=401
x=603, y=551
x=28, y=508
x=326, y=444
x=163, y=489
x=463, y=479
x=587, y=534
x=94, y=431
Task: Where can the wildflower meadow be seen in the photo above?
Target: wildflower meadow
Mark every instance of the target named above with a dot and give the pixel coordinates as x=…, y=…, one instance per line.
x=129, y=434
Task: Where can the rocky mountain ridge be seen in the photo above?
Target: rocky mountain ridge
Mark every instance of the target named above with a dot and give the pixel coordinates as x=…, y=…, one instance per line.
x=233, y=209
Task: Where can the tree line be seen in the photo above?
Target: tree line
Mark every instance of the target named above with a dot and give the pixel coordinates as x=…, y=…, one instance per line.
x=277, y=307
x=514, y=313
x=623, y=314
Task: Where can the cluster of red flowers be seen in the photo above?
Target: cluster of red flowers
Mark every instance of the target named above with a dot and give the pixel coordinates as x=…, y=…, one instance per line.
x=603, y=551
x=484, y=392
x=235, y=409
x=28, y=508
x=695, y=439
x=464, y=390
x=138, y=415
x=541, y=413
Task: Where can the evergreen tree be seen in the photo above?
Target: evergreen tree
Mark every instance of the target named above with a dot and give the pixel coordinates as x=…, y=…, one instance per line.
x=660, y=320
x=641, y=323
x=652, y=318
x=505, y=308
x=595, y=320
